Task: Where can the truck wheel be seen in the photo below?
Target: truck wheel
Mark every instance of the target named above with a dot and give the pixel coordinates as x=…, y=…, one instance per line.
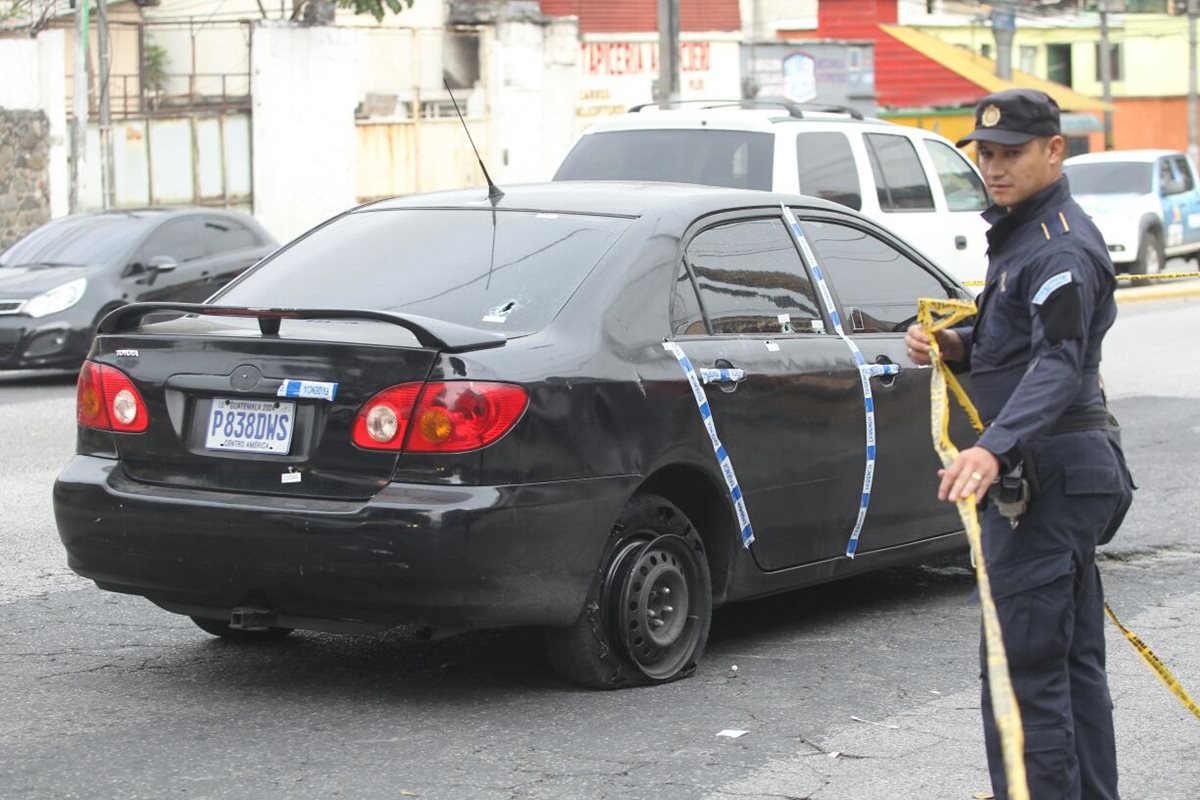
x=648, y=611
x=1150, y=254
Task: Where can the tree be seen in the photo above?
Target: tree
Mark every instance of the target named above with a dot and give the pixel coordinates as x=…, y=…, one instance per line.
x=320, y=12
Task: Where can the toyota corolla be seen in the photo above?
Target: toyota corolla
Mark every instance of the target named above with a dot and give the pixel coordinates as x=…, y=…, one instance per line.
x=603, y=409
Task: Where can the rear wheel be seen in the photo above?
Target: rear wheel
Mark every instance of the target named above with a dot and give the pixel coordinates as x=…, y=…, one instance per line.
x=221, y=628
x=648, y=611
x=1150, y=257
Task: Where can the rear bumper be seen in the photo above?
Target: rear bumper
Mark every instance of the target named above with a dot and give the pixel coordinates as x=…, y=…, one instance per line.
x=441, y=556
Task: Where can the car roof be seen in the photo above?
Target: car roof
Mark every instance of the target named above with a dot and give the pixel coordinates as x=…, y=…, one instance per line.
x=615, y=198
x=740, y=115
x=1115, y=156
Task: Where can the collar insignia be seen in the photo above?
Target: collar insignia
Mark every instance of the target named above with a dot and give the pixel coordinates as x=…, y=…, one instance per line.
x=990, y=116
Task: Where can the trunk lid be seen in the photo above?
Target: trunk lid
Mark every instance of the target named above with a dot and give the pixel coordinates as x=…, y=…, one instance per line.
x=265, y=408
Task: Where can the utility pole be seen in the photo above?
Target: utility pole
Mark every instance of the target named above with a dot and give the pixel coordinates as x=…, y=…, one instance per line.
x=108, y=191
x=1106, y=73
x=1193, y=121
x=667, y=87
x=79, y=111
x=1004, y=26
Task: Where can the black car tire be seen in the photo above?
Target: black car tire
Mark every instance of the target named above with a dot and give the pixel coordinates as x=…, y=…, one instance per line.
x=221, y=628
x=649, y=608
x=1150, y=257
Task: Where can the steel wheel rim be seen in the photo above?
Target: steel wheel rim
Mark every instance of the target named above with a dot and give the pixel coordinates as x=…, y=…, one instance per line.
x=659, y=621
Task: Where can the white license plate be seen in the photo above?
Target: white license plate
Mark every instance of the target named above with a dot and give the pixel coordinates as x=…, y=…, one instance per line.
x=252, y=426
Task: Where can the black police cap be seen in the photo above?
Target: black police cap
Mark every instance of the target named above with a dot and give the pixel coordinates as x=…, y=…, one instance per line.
x=1014, y=116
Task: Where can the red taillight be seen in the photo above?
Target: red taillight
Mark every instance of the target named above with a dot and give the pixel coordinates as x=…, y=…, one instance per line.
x=451, y=417
x=457, y=416
x=383, y=420
x=106, y=399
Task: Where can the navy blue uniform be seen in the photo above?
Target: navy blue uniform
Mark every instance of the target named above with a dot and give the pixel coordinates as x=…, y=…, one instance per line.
x=1034, y=357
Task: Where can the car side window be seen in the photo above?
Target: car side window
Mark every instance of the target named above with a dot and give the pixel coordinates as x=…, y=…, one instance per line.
x=177, y=239
x=878, y=285
x=827, y=168
x=751, y=279
x=225, y=235
x=900, y=181
x=964, y=190
x=1183, y=175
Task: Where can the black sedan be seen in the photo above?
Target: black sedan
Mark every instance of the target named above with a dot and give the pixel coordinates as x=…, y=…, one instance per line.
x=603, y=409
x=59, y=281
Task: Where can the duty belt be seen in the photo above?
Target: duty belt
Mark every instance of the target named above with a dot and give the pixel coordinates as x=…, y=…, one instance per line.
x=1091, y=418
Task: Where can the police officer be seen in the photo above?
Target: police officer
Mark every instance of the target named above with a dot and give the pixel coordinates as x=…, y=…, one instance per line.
x=1033, y=352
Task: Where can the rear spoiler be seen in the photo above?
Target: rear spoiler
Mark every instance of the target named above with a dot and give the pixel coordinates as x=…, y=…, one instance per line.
x=435, y=333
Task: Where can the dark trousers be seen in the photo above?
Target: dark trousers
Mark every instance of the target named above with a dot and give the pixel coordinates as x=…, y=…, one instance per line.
x=1051, y=607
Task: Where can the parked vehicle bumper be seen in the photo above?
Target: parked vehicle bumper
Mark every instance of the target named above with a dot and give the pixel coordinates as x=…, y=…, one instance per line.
x=27, y=343
x=432, y=555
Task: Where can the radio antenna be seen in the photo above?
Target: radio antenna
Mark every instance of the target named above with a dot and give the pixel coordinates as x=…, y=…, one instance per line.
x=494, y=191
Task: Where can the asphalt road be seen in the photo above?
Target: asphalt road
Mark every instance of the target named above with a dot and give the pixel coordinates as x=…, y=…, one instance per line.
x=860, y=690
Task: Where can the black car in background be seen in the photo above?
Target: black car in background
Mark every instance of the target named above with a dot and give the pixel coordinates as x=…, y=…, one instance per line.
x=58, y=282
x=601, y=408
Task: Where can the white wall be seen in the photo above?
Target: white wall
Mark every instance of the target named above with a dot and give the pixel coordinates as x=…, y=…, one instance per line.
x=305, y=89
x=34, y=79
x=531, y=70
x=761, y=18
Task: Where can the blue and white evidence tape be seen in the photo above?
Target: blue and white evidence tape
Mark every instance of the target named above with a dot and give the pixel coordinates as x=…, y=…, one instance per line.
x=865, y=372
x=735, y=491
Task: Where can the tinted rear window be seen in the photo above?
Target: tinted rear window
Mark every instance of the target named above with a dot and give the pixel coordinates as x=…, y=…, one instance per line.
x=1109, y=178
x=735, y=159
x=450, y=264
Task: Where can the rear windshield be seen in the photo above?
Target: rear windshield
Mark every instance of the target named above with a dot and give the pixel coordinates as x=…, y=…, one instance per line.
x=509, y=271
x=1128, y=177
x=76, y=241
x=735, y=159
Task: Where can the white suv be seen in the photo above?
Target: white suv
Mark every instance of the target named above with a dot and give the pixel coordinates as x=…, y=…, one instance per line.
x=1146, y=204
x=909, y=180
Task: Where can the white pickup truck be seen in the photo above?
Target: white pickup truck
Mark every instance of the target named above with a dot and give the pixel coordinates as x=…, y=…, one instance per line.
x=1146, y=204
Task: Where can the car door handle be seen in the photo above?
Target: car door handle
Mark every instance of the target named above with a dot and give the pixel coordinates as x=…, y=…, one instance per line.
x=722, y=375
x=960, y=243
x=887, y=372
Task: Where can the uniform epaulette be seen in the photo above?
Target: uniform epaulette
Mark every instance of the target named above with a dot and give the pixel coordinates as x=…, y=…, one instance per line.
x=1062, y=221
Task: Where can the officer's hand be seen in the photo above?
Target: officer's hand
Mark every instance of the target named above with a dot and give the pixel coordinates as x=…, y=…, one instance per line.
x=972, y=472
x=917, y=342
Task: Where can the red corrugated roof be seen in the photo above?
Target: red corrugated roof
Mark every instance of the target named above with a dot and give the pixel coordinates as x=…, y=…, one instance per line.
x=641, y=16
x=904, y=78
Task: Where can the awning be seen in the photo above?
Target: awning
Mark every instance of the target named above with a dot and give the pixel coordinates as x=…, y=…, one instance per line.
x=982, y=71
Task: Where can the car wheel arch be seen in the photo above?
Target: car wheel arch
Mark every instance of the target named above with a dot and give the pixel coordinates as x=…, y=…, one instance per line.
x=706, y=503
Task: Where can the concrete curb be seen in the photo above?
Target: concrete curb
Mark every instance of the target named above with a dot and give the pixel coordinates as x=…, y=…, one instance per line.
x=1177, y=288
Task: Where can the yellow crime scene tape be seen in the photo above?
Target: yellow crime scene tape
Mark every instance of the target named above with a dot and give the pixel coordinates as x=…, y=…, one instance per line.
x=1161, y=276
x=934, y=315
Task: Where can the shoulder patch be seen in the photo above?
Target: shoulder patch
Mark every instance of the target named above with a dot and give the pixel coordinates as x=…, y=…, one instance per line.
x=1051, y=284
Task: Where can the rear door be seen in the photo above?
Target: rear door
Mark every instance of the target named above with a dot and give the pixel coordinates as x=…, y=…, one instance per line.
x=792, y=424
x=149, y=278
x=230, y=246
x=877, y=286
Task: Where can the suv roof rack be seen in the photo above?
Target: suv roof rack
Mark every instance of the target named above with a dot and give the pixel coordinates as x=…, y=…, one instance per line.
x=794, y=109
